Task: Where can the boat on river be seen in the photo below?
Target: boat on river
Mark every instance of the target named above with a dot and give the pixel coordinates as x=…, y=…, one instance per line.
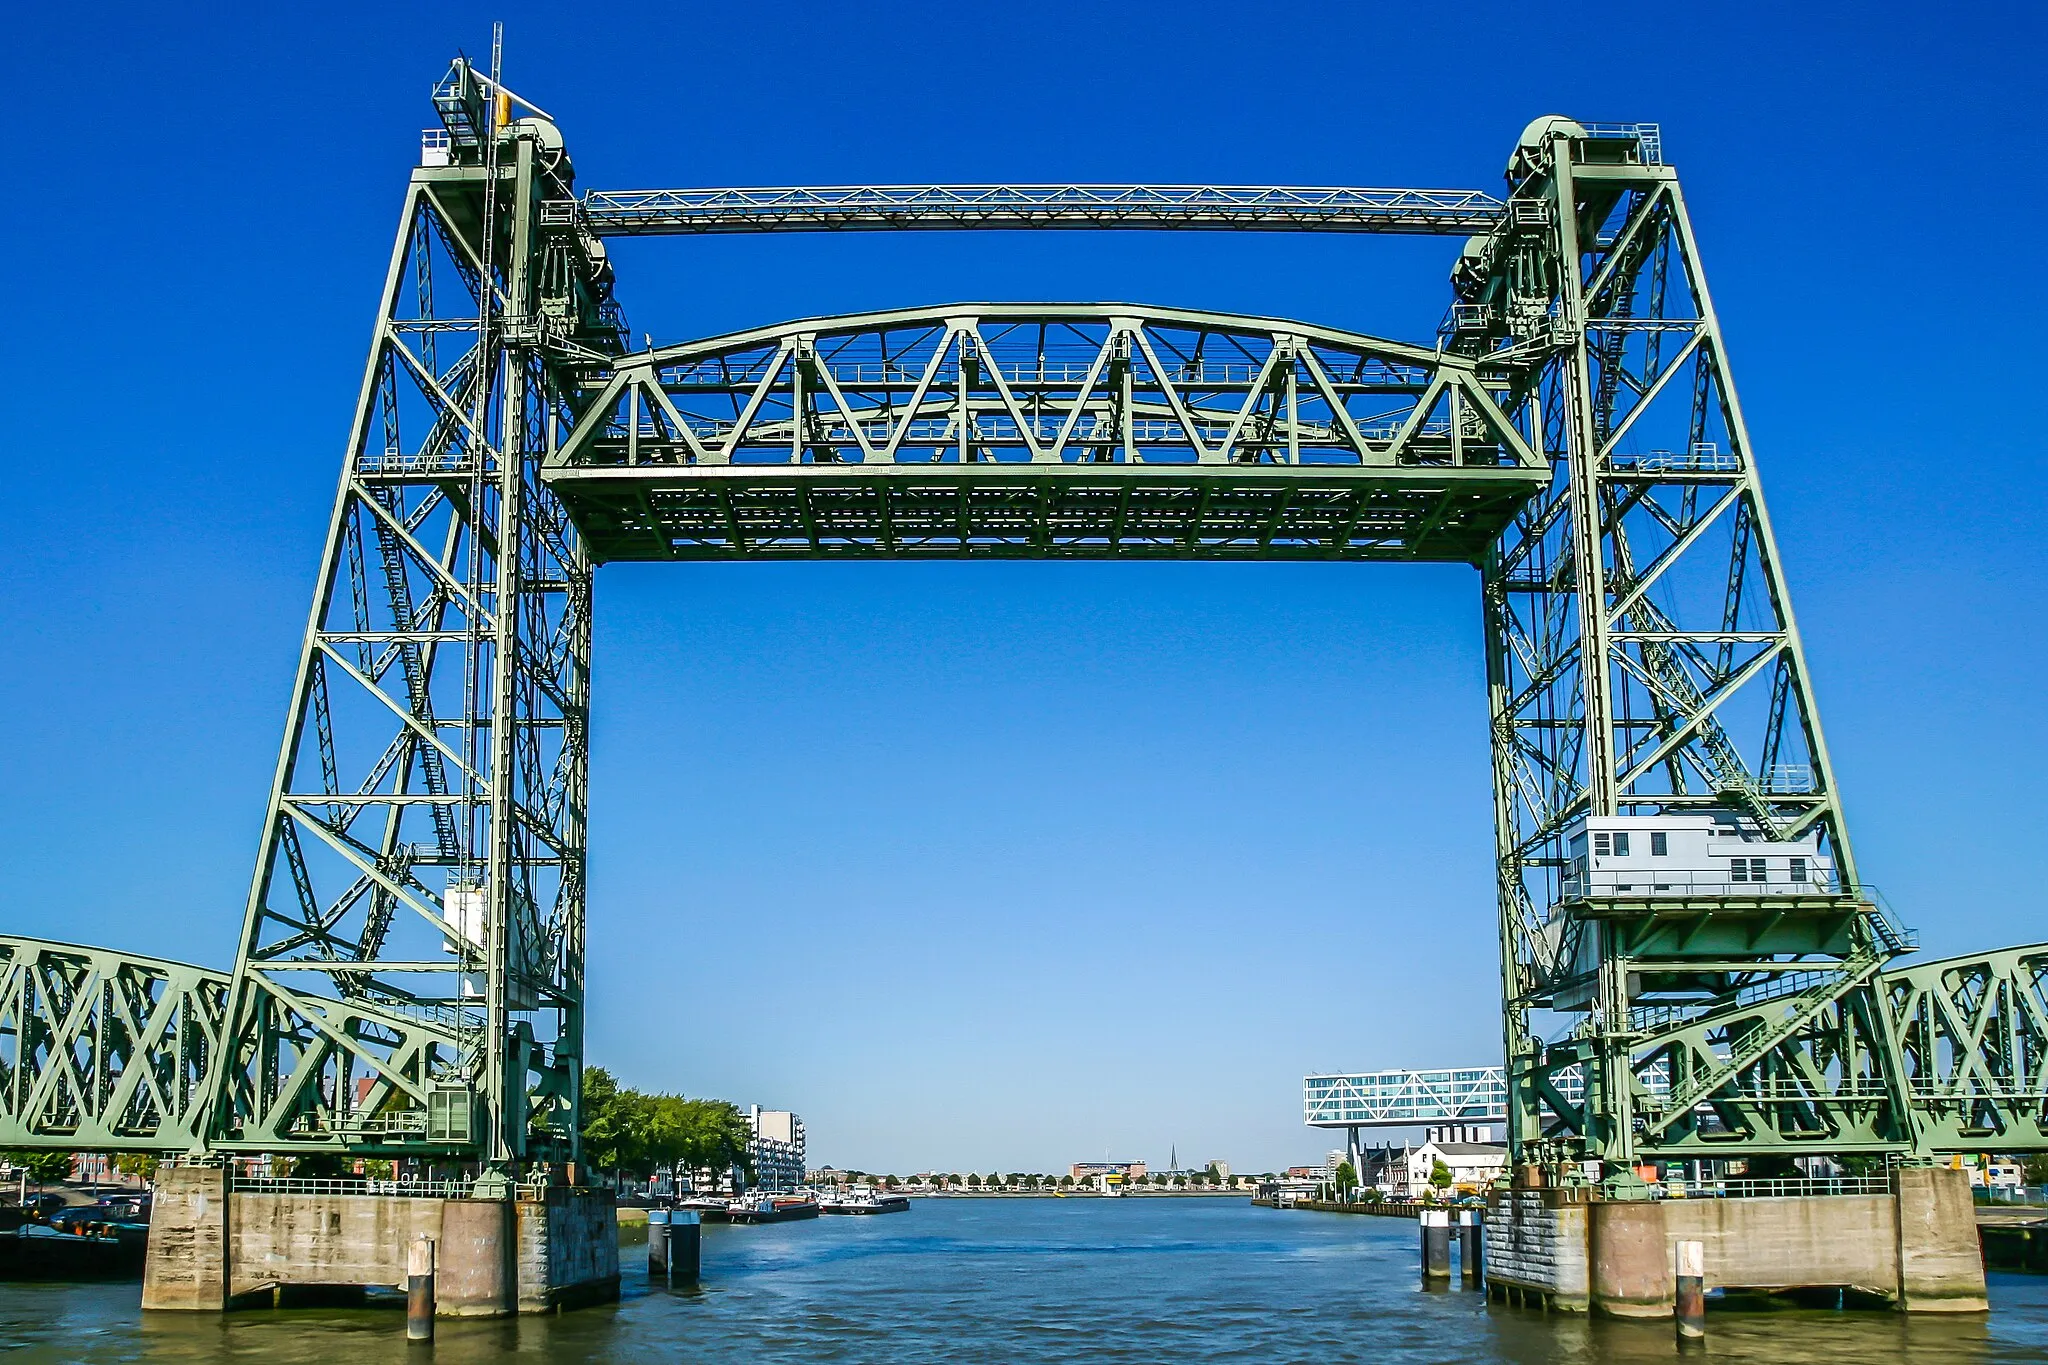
x=97, y=1251
x=860, y=1200
x=707, y=1210
x=772, y=1208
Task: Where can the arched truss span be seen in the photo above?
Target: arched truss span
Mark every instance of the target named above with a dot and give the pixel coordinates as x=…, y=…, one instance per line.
x=1087, y=430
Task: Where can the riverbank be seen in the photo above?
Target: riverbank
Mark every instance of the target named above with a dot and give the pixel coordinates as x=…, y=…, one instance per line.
x=1408, y=1211
x=1073, y=1194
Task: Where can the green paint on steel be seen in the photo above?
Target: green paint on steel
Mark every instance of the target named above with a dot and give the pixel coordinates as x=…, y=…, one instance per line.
x=410, y=968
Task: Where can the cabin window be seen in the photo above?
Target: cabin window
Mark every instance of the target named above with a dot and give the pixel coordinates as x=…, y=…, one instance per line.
x=1600, y=845
x=1799, y=869
x=1621, y=845
x=1660, y=845
x=1748, y=870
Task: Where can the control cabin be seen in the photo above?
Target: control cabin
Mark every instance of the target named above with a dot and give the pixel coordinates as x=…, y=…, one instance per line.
x=1690, y=855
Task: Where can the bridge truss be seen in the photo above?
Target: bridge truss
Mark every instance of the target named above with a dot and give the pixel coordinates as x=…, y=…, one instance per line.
x=409, y=978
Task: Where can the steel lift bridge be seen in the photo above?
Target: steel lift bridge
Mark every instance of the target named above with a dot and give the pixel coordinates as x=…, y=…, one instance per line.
x=410, y=973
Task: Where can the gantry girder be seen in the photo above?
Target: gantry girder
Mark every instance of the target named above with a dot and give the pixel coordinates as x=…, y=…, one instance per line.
x=409, y=976
x=856, y=208
x=1044, y=431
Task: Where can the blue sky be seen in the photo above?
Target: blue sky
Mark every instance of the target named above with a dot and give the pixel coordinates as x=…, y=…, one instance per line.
x=1008, y=864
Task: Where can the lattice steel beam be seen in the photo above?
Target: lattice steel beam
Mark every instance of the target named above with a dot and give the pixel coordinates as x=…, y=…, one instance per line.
x=1645, y=660
x=852, y=208
x=410, y=972
x=103, y=1051
x=412, y=947
x=1046, y=431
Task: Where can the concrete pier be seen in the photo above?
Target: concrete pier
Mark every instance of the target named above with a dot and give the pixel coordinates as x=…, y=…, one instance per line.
x=1565, y=1249
x=213, y=1247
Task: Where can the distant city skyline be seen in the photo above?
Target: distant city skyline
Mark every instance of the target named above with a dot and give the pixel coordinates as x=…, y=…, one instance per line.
x=992, y=865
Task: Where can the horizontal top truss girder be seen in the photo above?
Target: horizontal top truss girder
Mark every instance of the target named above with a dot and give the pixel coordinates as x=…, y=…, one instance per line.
x=1262, y=208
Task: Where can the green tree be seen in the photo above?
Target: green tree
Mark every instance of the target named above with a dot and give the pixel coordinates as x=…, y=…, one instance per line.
x=608, y=1122
x=627, y=1131
x=41, y=1165
x=973, y=1181
x=1067, y=1182
x=1346, y=1177
x=2034, y=1170
x=1439, y=1174
x=142, y=1164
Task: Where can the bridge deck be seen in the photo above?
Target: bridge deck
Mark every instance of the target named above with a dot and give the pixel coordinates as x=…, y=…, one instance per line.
x=1077, y=511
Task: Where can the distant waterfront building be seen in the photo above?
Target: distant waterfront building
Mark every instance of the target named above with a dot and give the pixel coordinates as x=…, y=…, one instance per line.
x=1124, y=1170
x=1222, y=1169
x=1473, y=1165
x=777, y=1148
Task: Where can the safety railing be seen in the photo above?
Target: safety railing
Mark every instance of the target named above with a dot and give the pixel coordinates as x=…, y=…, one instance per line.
x=415, y=1189
x=1787, y=1092
x=874, y=374
x=1965, y=1088
x=1884, y=922
x=405, y=1123
x=1789, y=779
x=1648, y=137
x=1789, y=1188
x=1653, y=882
x=1704, y=457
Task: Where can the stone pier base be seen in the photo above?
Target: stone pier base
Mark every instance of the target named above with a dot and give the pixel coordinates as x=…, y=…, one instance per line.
x=1915, y=1248
x=213, y=1247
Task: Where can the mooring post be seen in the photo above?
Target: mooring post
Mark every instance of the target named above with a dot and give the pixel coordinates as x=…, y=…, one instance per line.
x=1436, y=1247
x=1468, y=1245
x=1691, y=1266
x=419, y=1289
x=657, y=1243
x=685, y=1239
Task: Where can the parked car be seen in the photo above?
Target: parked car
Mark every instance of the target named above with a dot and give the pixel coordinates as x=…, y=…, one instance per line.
x=41, y=1206
x=117, y=1210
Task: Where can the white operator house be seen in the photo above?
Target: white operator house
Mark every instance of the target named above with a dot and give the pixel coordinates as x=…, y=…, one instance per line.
x=1690, y=855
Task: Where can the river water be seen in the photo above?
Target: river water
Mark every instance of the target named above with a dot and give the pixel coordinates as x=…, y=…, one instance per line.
x=1022, y=1281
